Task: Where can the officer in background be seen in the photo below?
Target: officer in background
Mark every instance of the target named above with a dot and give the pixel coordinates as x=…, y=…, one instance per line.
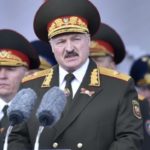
x=140, y=71
x=47, y=59
x=102, y=110
x=17, y=56
x=107, y=48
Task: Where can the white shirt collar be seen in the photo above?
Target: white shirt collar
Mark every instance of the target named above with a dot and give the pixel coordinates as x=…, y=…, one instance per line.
x=2, y=104
x=79, y=74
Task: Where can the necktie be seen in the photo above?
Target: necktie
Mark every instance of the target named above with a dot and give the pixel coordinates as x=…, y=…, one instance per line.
x=4, y=121
x=5, y=110
x=68, y=90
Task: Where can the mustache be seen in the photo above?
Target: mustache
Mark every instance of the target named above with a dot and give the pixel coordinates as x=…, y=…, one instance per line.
x=71, y=54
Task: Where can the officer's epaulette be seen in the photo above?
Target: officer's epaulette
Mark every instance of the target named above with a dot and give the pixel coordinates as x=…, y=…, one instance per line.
x=114, y=73
x=36, y=75
x=140, y=97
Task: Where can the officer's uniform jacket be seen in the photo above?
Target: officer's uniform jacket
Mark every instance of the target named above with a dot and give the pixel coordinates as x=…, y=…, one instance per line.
x=105, y=114
x=3, y=130
x=145, y=111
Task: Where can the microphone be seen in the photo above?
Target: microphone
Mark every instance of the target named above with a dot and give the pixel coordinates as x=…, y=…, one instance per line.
x=20, y=110
x=21, y=106
x=50, y=110
x=51, y=107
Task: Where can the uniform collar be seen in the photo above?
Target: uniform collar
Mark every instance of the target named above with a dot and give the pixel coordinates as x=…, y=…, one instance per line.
x=3, y=103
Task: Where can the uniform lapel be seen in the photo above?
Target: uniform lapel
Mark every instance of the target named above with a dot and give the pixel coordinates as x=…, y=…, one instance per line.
x=52, y=78
x=4, y=123
x=89, y=88
x=55, y=78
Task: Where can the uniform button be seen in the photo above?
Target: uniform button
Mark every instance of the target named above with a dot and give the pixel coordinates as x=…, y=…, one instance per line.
x=55, y=145
x=79, y=145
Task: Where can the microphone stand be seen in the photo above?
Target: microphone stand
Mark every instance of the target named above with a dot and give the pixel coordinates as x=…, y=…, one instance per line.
x=36, y=145
x=6, y=138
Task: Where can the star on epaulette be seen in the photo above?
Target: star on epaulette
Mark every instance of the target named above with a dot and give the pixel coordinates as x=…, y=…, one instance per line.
x=36, y=75
x=114, y=73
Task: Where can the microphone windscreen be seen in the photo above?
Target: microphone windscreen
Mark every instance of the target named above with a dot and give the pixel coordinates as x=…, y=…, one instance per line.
x=51, y=107
x=21, y=106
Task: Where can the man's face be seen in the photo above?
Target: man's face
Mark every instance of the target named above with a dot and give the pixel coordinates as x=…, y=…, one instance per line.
x=104, y=61
x=71, y=50
x=10, y=79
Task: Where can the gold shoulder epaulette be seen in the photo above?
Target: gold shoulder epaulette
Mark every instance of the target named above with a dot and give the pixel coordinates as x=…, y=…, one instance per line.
x=140, y=97
x=36, y=75
x=114, y=73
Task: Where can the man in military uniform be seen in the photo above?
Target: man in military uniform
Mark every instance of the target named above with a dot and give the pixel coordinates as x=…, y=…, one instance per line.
x=17, y=56
x=140, y=71
x=103, y=113
x=107, y=48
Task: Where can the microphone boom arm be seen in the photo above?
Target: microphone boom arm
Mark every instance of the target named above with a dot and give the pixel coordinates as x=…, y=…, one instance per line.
x=36, y=145
x=6, y=138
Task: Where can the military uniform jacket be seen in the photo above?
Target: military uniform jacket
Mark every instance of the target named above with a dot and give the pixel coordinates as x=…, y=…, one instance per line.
x=105, y=114
x=3, y=130
x=145, y=110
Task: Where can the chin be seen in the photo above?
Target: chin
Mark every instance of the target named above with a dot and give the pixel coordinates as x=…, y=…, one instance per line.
x=71, y=68
x=3, y=92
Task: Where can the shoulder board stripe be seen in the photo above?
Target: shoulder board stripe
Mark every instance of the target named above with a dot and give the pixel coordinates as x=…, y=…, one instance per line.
x=36, y=75
x=114, y=73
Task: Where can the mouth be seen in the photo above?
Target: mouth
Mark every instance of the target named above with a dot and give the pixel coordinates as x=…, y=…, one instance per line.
x=71, y=55
x=3, y=85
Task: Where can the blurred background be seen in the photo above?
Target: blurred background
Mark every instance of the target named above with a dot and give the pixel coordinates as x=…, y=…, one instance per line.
x=130, y=18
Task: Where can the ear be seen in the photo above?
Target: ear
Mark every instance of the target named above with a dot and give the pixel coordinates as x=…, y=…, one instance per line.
x=113, y=65
x=51, y=44
x=89, y=40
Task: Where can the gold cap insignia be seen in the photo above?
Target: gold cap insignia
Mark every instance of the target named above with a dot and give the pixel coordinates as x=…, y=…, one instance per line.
x=67, y=24
x=101, y=48
x=10, y=57
x=145, y=80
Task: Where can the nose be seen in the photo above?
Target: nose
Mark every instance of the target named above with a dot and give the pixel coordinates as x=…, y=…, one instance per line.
x=2, y=73
x=69, y=46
